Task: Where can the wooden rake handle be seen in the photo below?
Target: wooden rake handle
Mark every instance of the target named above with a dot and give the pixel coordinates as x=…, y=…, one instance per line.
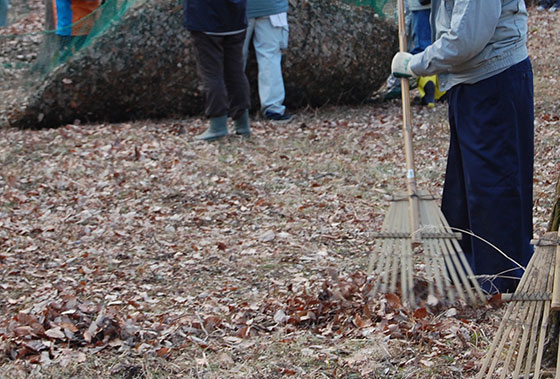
x=413, y=208
x=555, y=304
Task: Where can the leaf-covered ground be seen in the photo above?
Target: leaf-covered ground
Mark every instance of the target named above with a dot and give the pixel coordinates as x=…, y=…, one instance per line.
x=129, y=250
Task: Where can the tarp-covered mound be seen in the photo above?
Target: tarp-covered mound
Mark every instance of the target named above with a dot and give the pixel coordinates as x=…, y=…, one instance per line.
x=142, y=65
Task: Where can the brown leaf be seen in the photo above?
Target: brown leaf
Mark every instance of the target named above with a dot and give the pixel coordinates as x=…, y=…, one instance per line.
x=289, y=372
x=420, y=313
x=496, y=300
x=22, y=331
x=11, y=180
x=211, y=323
x=244, y=331
x=358, y=321
x=225, y=360
x=163, y=352
x=393, y=300
x=470, y=365
x=69, y=326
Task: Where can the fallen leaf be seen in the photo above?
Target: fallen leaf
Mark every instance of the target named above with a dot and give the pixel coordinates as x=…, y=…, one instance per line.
x=55, y=333
x=224, y=360
x=420, y=313
x=267, y=236
x=393, y=300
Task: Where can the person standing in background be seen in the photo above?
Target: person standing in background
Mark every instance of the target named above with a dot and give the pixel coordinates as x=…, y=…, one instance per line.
x=421, y=34
x=4, y=5
x=218, y=30
x=417, y=16
x=545, y=4
x=420, y=25
x=268, y=29
x=73, y=21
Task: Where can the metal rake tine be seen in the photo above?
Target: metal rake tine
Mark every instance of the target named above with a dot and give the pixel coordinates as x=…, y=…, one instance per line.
x=379, y=243
x=384, y=262
x=543, y=261
x=538, y=264
x=536, y=309
x=504, y=336
x=410, y=268
x=491, y=356
x=542, y=336
x=433, y=264
x=452, y=270
x=385, y=270
x=398, y=245
x=386, y=227
x=408, y=275
x=544, y=323
x=439, y=264
x=381, y=261
x=433, y=273
x=399, y=260
x=515, y=329
x=442, y=249
x=383, y=257
x=460, y=265
x=463, y=260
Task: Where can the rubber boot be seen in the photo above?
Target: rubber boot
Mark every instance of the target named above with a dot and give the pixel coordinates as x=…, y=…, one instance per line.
x=242, y=127
x=217, y=129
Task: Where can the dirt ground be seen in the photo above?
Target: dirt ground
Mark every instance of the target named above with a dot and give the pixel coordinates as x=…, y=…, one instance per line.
x=130, y=250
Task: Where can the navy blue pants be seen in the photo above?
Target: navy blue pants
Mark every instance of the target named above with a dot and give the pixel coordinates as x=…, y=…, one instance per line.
x=489, y=176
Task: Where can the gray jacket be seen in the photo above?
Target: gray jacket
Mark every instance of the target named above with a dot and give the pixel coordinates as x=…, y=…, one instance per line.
x=474, y=40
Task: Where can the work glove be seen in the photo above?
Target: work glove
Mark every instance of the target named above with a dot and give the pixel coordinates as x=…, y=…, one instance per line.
x=401, y=65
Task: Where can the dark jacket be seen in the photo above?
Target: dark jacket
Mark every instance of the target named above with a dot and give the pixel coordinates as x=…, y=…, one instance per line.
x=215, y=16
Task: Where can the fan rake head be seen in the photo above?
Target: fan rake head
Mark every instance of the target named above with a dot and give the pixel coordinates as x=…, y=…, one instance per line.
x=398, y=259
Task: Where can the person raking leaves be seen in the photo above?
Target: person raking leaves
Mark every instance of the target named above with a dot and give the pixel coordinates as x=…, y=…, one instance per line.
x=479, y=53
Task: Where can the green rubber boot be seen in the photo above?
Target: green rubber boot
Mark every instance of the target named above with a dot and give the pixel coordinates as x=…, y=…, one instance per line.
x=217, y=129
x=242, y=127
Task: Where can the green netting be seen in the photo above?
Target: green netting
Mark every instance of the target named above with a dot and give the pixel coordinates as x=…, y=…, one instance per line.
x=141, y=45
x=377, y=5
x=32, y=22
x=58, y=46
x=31, y=46
x=384, y=8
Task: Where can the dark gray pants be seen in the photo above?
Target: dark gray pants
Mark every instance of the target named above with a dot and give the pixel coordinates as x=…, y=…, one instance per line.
x=220, y=68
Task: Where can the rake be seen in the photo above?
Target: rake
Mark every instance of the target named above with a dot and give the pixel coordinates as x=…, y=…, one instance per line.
x=529, y=331
x=417, y=228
